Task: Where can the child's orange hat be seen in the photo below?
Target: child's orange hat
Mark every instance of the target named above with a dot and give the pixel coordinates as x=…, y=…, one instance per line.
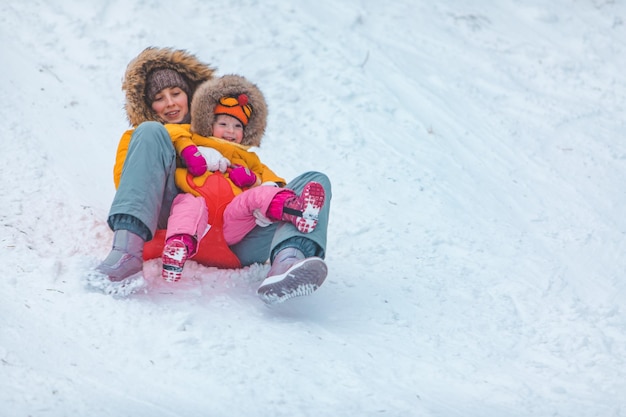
x=236, y=107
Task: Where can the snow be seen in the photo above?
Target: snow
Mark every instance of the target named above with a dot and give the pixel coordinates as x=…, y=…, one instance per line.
x=477, y=237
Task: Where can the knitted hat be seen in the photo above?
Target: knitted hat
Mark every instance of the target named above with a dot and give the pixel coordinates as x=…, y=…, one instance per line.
x=165, y=78
x=236, y=107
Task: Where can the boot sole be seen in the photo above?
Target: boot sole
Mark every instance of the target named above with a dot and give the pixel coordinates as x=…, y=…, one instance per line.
x=313, y=200
x=303, y=278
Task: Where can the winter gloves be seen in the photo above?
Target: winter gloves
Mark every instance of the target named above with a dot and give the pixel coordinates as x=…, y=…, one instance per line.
x=242, y=177
x=202, y=159
x=196, y=164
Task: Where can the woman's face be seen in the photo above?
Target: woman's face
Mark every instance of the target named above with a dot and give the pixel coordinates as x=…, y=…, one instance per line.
x=228, y=128
x=171, y=104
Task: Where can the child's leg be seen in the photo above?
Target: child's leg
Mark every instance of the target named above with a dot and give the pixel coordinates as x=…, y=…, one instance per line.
x=239, y=217
x=187, y=224
x=275, y=204
x=297, y=258
x=189, y=216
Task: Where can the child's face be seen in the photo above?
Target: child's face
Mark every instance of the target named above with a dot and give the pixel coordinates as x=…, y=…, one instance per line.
x=171, y=104
x=228, y=128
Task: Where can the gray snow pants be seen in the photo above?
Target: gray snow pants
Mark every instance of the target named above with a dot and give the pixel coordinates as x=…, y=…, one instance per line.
x=147, y=187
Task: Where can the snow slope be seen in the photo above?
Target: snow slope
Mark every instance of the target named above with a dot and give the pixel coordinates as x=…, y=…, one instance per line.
x=477, y=238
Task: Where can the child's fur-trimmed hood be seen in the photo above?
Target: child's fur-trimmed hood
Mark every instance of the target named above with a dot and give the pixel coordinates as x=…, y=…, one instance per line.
x=208, y=95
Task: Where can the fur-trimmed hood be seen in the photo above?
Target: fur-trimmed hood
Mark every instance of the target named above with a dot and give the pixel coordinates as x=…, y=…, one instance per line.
x=208, y=95
x=151, y=58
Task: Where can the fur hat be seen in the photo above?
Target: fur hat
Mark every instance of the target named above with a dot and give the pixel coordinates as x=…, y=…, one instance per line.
x=223, y=95
x=147, y=64
x=164, y=78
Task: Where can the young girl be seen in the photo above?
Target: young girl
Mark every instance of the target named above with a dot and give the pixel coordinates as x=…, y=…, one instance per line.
x=232, y=115
x=297, y=259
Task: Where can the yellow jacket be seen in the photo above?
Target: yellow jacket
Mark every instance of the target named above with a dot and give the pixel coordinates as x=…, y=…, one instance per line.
x=120, y=156
x=182, y=137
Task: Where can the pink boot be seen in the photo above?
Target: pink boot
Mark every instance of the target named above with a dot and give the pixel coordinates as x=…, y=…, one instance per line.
x=303, y=210
x=175, y=254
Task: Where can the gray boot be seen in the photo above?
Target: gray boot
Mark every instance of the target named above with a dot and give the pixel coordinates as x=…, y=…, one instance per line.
x=126, y=257
x=292, y=275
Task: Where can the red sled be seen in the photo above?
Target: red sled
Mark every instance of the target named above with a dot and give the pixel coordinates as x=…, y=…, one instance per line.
x=213, y=250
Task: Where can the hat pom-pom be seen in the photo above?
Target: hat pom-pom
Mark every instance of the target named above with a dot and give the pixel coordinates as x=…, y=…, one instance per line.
x=242, y=99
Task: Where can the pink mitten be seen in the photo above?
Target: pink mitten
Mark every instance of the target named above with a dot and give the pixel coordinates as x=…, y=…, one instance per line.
x=242, y=177
x=196, y=164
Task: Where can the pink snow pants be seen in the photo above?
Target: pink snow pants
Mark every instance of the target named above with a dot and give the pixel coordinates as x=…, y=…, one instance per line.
x=189, y=214
x=239, y=217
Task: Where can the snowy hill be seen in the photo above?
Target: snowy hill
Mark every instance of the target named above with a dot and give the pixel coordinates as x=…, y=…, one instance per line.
x=477, y=240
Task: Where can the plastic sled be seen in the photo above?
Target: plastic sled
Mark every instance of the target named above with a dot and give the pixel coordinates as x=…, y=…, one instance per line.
x=213, y=250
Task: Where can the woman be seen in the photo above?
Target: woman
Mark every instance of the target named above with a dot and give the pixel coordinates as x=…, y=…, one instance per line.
x=159, y=85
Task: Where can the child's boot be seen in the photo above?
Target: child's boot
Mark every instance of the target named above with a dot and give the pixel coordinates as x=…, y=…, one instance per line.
x=300, y=210
x=175, y=254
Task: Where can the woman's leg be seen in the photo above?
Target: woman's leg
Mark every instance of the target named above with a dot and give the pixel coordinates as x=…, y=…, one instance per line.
x=297, y=261
x=147, y=186
x=143, y=199
x=255, y=246
x=263, y=243
x=311, y=244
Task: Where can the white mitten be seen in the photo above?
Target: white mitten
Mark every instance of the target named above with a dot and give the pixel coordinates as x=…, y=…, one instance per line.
x=214, y=160
x=270, y=184
x=260, y=218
